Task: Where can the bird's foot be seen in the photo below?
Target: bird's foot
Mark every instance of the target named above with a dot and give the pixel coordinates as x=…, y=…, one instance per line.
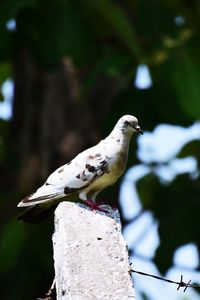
x=94, y=206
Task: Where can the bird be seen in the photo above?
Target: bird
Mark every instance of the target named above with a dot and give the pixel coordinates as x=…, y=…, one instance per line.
x=85, y=176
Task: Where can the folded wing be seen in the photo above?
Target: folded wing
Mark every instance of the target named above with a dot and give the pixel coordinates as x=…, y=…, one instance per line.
x=69, y=179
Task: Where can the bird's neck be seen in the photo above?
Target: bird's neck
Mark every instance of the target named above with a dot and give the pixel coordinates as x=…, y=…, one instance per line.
x=120, y=137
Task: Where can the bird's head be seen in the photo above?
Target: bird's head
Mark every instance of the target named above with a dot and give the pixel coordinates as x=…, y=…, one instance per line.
x=129, y=124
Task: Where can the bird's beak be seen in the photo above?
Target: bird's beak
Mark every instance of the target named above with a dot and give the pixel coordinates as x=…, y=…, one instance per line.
x=138, y=129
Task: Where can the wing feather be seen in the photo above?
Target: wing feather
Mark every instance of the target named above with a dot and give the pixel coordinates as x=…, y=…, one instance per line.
x=70, y=178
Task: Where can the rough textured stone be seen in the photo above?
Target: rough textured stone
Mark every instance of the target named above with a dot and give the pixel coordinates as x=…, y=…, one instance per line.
x=90, y=255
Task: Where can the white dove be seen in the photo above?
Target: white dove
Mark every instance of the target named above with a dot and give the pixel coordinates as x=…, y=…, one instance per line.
x=86, y=175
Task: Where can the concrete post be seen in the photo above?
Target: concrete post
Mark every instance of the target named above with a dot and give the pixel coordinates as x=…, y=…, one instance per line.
x=90, y=255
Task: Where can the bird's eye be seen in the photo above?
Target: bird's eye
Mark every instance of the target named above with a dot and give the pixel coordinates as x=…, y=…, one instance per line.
x=127, y=123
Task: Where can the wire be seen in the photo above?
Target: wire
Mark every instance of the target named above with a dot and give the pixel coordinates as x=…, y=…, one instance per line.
x=180, y=283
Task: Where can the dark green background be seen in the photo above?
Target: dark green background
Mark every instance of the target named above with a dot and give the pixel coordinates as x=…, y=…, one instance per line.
x=73, y=64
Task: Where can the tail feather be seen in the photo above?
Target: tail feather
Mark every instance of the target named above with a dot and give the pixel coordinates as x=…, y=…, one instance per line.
x=37, y=213
x=30, y=201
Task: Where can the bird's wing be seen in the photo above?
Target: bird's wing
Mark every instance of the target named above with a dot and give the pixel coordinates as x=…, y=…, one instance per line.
x=70, y=178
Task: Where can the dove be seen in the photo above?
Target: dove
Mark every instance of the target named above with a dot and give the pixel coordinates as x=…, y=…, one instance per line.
x=85, y=176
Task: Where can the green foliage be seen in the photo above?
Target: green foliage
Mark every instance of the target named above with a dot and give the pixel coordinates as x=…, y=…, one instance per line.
x=191, y=149
x=5, y=71
x=55, y=30
x=176, y=206
x=187, y=74
x=115, y=23
x=112, y=63
x=13, y=237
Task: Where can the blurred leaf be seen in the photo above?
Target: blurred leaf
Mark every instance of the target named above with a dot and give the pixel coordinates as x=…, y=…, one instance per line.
x=186, y=80
x=176, y=206
x=1, y=97
x=112, y=63
x=116, y=22
x=5, y=71
x=150, y=14
x=8, y=10
x=12, y=242
x=191, y=149
x=144, y=296
x=154, y=105
x=68, y=35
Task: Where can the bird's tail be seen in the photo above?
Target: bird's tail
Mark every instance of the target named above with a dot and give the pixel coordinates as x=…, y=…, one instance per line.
x=37, y=213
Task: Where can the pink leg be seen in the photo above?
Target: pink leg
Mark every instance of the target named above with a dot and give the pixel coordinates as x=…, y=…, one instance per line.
x=94, y=206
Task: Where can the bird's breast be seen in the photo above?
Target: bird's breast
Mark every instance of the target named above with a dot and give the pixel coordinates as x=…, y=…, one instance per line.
x=116, y=166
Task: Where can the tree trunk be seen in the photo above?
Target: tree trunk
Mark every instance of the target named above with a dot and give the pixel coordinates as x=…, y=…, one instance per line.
x=52, y=119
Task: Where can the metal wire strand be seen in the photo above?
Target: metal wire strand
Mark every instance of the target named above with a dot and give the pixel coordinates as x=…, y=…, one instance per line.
x=180, y=283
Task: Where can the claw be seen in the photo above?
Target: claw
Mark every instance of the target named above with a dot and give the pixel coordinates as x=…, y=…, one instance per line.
x=94, y=206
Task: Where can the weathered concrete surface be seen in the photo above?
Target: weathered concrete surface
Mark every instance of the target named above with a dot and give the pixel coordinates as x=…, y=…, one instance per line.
x=90, y=255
